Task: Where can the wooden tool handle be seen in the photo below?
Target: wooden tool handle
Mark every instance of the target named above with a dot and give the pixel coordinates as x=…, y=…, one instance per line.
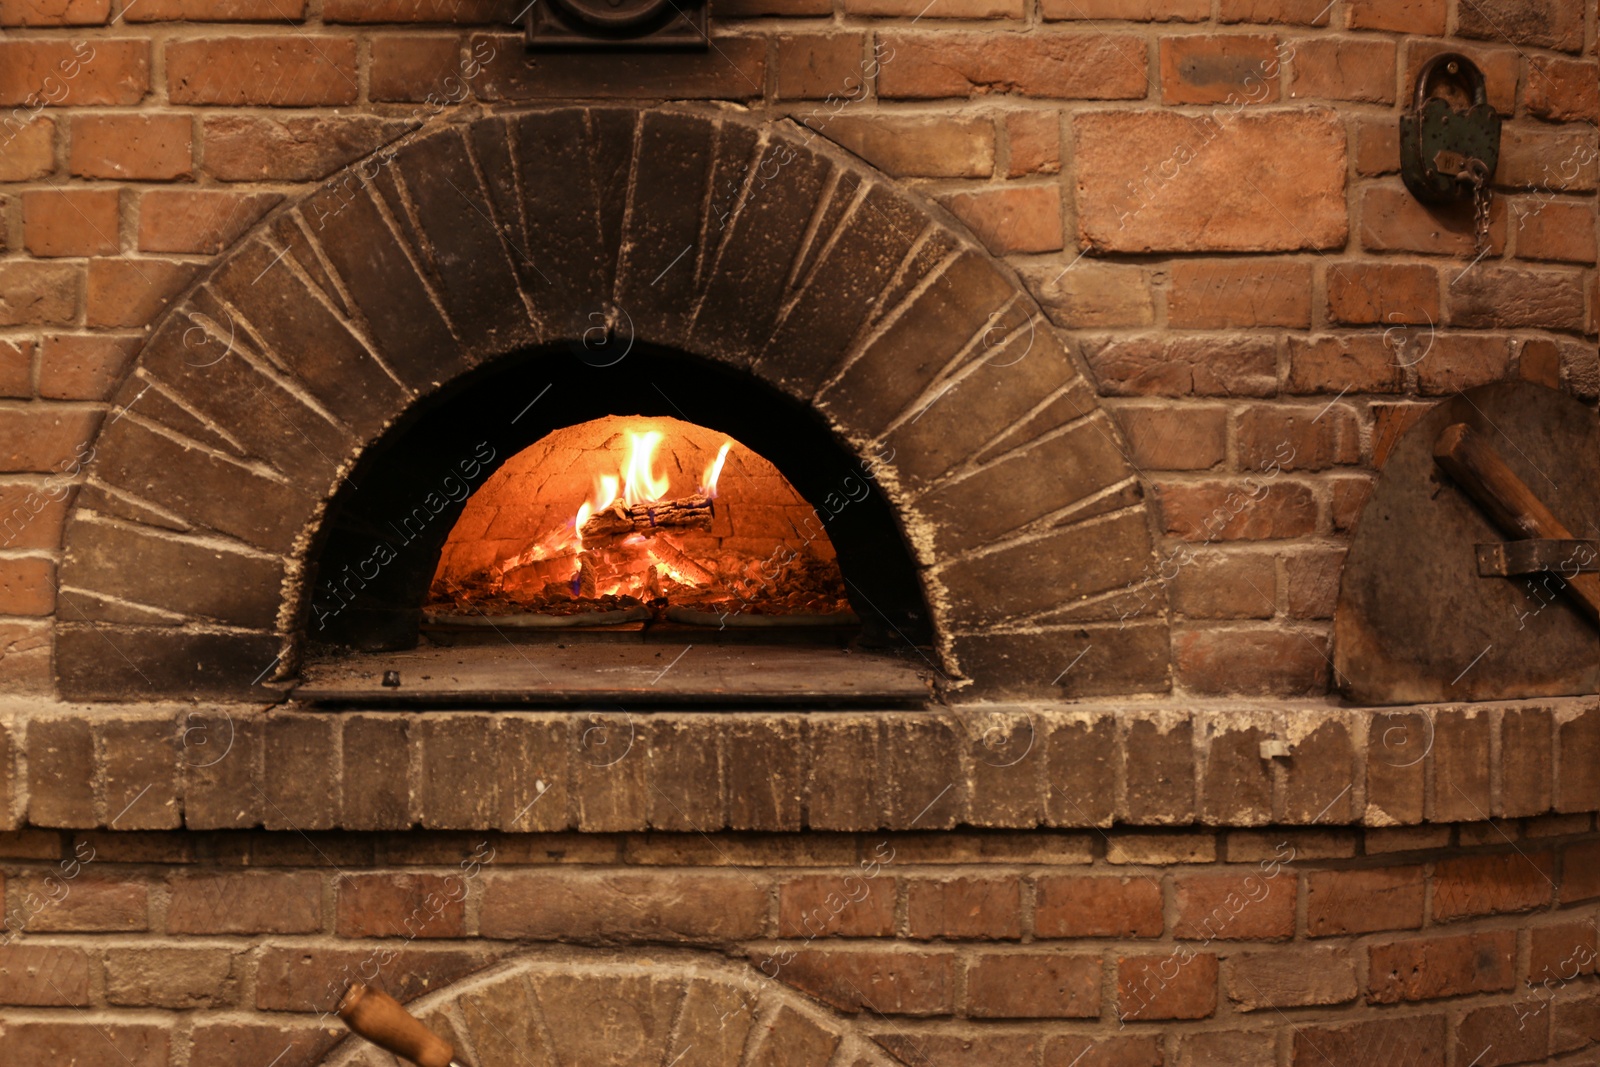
x=381, y=1019
x=1478, y=469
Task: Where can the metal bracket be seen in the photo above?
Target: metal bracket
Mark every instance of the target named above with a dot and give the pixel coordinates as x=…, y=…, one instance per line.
x=1535, y=555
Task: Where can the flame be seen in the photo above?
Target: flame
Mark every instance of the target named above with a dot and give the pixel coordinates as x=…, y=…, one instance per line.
x=708, y=484
x=640, y=485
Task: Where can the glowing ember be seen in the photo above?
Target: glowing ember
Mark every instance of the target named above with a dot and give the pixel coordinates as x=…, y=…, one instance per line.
x=645, y=533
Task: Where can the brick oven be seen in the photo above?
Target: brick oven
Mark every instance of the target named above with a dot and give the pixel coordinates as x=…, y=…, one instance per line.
x=785, y=532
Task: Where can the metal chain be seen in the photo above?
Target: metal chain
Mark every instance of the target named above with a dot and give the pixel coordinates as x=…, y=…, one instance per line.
x=1478, y=174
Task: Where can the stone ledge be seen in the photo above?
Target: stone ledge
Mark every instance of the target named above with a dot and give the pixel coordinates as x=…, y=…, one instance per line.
x=984, y=766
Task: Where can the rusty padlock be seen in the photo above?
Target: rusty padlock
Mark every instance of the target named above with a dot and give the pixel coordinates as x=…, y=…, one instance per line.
x=1445, y=148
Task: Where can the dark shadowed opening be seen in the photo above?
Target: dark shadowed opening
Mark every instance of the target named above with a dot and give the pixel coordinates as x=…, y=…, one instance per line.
x=380, y=544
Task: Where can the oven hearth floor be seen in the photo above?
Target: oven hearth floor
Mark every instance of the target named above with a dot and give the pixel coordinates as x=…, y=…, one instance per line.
x=586, y=673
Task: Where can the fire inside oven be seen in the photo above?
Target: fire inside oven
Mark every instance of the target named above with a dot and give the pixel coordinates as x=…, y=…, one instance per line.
x=637, y=519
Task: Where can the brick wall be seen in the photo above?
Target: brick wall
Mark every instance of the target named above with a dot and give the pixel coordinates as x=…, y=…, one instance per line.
x=1146, y=885
x=1271, y=946
x=1270, y=288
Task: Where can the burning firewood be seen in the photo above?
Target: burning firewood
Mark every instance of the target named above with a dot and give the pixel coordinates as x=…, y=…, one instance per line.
x=618, y=519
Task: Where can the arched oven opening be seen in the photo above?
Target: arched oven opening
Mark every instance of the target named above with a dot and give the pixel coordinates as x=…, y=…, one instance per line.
x=568, y=495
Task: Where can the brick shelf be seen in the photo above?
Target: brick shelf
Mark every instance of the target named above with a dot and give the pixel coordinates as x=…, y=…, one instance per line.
x=1011, y=766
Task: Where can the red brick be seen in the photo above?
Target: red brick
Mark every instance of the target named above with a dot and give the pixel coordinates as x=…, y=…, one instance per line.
x=76, y=222
x=1361, y=363
x=1377, y=147
x=255, y=903
x=914, y=147
x=1414, y=1041
x=82, y=367
x=84, y=73
x=1033, y=140
x=1033, y=985
x=92, y=903
x=1291, y=977
x=122, y=147
x=470, y=12
x=1580, y=872
x=44, y=976
x=1213, y=294
x=401, y=905
x=957, y=1050
x=1400, y=16
x=171, y=977
x=1065, y=1050
x=693, y=907
x=1542, y=23
x=312, y=978
x=1563, y=232
x=1360, y=902
x=751, y=9
x=1493, y=296
x=1069, y=66
x=54, y=12
x=1230, y=1048
x=1232, y=907
x=1226, y=511
x=27, y=586
x=407, y=67
x=888, y=982
x=1427, y=967
x=943, y=9
x=1456, y=362
x=255, y=148
x=1466, y=886
x=1502, y=1034
x=1258, y=662
x=1562, y=90
x=1171, y=437
x=1092, y=294
x=836, y=905
x=1335, y=69
x=1547, y=158
x=1188, y=199
x=84, y=1043
x=39, y=294
x=965, y=909
x=1185, y=366
x=1008, y=219
x=216, y=10
x=203, y=222
x=1312, y=577
x=1181, y=985
x=1293, y=12
x=1392, y=220
x=1384, y=293
x=1072, y=906
x=1560, y=953
x=1350, y=496
x=1129, y=10
x=246, y=1043
x=132, y=292
x=1233, y=68
x=1296, y=438
x=45, y=440
x=16, y=368
x=1226, y=585
x=27, y=151
x=830, y=67
x=32, y=515
x=270, y=71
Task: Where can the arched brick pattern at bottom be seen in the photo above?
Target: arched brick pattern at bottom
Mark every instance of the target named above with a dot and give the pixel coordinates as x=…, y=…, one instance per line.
x=585, y=1009
x=754, y=247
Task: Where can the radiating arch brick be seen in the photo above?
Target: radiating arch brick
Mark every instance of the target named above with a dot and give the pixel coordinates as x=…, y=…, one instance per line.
x=754, y=245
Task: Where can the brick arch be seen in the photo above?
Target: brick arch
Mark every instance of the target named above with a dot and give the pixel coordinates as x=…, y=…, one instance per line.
x=706, y=232
x=577, y=1007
